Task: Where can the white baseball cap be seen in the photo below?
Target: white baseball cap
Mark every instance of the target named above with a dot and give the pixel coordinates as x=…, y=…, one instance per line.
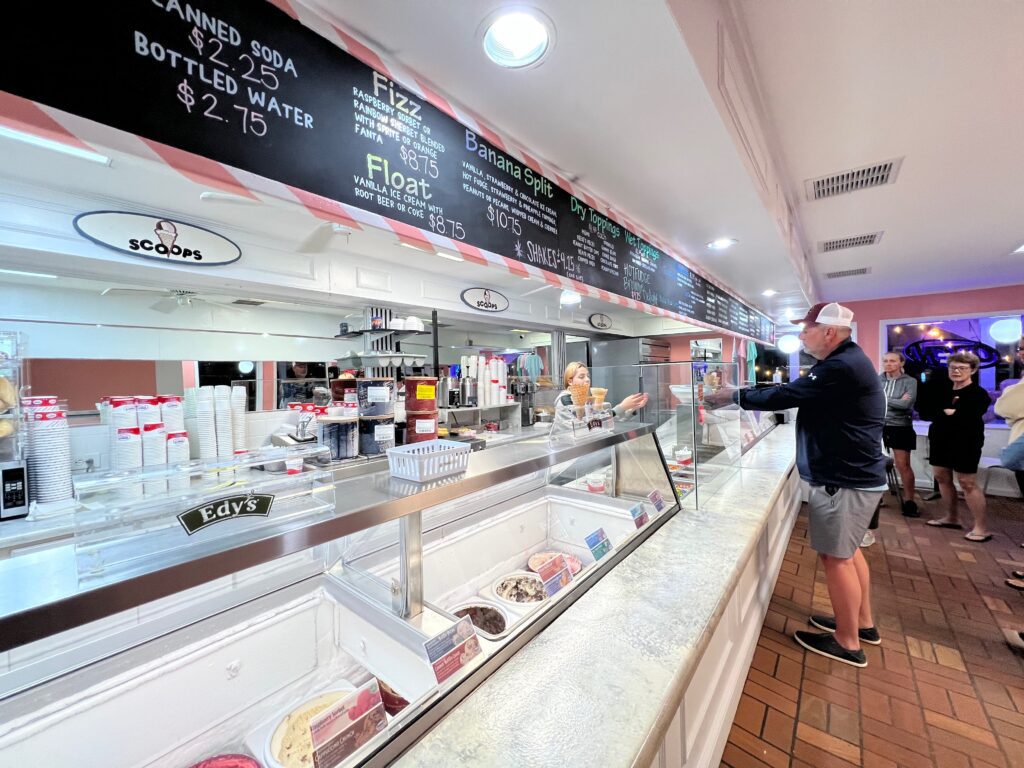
x=828, y=314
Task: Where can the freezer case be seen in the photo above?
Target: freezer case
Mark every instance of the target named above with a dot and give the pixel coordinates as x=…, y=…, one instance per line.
x=484, y=556
x=273, y=631
x=221, y=686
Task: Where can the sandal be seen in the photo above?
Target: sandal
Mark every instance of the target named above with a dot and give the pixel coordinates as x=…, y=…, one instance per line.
x=980, y=538
x=944, y=524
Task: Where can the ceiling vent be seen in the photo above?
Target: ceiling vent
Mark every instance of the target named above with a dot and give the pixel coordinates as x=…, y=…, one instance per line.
x=827, y=246
x=868, y=176
x=249, y=302
x=848, y=273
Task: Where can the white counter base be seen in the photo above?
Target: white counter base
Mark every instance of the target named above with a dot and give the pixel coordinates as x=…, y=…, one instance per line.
x=700, y=729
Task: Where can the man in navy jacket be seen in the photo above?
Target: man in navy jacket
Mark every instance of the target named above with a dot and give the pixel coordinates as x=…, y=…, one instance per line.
x=839, y=454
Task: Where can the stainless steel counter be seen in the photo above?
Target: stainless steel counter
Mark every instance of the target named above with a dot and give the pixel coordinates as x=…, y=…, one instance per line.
x=43, y=594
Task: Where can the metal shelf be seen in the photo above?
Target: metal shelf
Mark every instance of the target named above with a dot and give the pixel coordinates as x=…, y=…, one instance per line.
x=364, y=500
x=381, y=332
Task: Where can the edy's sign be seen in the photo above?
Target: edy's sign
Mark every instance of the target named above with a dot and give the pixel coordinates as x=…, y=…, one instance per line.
x=249, y=505
x=149, y=237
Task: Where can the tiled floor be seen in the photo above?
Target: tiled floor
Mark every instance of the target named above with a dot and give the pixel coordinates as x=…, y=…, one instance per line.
x=943, y=689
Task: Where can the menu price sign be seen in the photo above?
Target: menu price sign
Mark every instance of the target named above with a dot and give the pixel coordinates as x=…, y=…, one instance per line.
x=340, y=730
x=451, y=650
x=598, y=544
x=250, y=87
x=555, y=574
x=639, y=514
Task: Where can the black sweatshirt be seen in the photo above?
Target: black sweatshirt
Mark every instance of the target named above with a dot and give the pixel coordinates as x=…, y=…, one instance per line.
x=966, y=425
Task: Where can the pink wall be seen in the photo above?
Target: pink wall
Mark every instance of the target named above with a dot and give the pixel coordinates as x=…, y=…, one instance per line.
x=83, y=382
x=932, y=306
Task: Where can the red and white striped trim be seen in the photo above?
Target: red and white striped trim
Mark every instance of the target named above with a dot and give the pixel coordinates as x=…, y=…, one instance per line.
x=55, y=125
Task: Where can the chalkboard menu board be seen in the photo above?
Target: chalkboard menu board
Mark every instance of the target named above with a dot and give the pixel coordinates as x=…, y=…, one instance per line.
x=246, y=85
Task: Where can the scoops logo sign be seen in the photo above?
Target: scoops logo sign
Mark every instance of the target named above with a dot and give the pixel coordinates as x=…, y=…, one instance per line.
x=164, y=240
x=484, y=299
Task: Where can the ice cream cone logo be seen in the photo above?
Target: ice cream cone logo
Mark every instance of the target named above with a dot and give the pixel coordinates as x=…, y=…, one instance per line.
x=167, y=233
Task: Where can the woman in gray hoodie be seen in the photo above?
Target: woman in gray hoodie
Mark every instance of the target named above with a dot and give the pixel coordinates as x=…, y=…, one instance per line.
x=898, y=433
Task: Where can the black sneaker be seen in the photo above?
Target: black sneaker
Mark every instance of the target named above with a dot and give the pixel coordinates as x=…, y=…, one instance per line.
x=824, y=644
x=910, y=509
x=828, y=623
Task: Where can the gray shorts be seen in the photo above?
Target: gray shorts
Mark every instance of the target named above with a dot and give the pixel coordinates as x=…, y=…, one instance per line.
x=837, y=523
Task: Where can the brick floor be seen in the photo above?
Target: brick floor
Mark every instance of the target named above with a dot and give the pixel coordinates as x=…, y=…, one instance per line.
x=944, y=689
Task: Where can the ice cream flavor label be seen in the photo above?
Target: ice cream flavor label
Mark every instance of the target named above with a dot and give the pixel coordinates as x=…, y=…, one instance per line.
x=555, y=574
x=340, y=730
x=598, y=544
x=640, y=516
x=452, y=649
x=656, y=499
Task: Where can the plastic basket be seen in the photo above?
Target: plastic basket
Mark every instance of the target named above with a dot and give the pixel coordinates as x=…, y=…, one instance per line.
x=430, y=460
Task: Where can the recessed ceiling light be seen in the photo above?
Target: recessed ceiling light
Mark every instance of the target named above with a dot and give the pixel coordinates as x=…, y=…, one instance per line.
x=450, y=256
x=722, y=243
x=769, y=292
x=27, y=274
x=517, y=37
x=569, y=298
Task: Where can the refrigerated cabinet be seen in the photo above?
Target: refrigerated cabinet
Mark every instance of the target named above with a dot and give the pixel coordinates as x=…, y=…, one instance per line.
x=167, y=659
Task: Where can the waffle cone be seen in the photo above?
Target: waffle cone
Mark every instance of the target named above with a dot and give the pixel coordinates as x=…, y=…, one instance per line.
x=579, y=393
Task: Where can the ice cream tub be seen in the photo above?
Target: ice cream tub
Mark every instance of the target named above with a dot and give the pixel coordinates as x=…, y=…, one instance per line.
x=376, y=396
x=420, y=426
x=288, y=741
x=421, y=393
x=227, y=761
x=519, y=588
x=490, y=619
x=376, y=434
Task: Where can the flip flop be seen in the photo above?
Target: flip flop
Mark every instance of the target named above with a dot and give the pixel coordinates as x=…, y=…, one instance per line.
x=943, y=524
x=1017, y=574
x=978, y=538
x=1015, y=583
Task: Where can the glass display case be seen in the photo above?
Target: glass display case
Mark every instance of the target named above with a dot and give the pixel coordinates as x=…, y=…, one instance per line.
x=346, y=629
x=701, y=442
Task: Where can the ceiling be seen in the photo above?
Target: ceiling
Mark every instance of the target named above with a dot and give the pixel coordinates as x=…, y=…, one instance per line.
x=940, y=84
x=632, y=121
x=601, y=108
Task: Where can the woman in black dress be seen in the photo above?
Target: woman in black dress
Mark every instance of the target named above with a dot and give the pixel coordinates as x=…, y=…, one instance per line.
x=955, y=439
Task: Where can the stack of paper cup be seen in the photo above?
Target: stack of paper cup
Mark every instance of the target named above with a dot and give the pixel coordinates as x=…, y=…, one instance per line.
x=147, y=409
x=178, y=453
x=172, y=412
x=103, y=406
x=222, y=412
x=128, y=455
x=122, y=414
x=154, y=453
x=191, y=395
x=239, y=397
x=206, y=428
x=50, y=463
